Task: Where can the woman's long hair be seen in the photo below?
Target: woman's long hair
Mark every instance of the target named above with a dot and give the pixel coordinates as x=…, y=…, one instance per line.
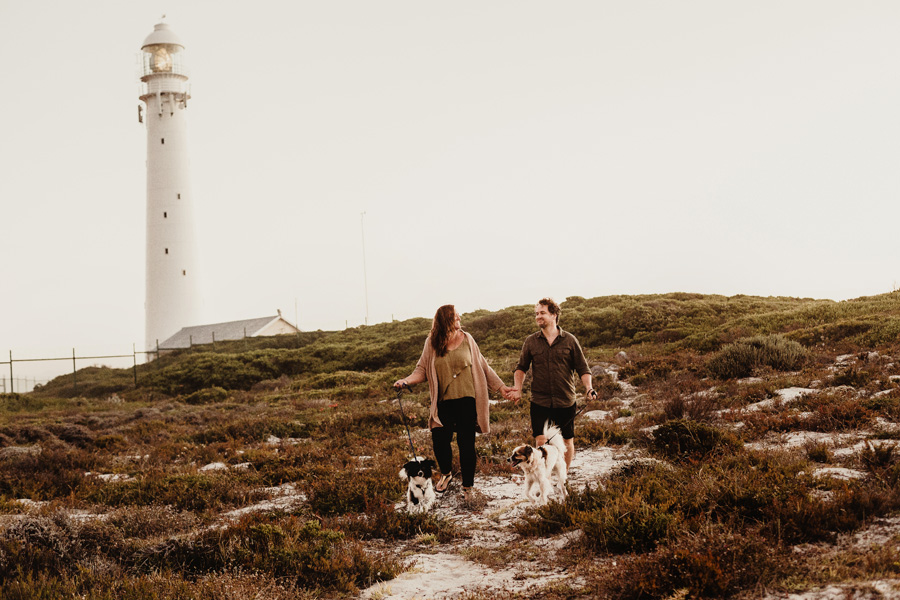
x=442, y=327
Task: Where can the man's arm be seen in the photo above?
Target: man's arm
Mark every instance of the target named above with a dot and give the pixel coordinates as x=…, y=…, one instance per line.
x=589, y=392
x=519, y=374
x=518, y=380
x=584, y=371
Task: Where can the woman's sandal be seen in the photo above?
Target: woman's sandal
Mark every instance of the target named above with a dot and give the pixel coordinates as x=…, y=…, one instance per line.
x=445, y=481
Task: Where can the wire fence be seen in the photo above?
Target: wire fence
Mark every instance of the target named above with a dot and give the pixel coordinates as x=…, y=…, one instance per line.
x=23, y=384
x=20, y=385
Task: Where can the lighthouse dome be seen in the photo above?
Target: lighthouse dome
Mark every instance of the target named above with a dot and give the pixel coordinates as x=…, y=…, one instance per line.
x=162, y=36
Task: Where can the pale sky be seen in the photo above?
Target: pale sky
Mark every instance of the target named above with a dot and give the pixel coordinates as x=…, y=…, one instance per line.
x=501, y=152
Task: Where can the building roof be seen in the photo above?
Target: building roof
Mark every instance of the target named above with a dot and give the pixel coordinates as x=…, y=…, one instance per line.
x=233, y=330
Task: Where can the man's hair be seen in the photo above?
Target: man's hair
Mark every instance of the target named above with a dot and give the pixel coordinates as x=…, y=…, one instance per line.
x=552, y=307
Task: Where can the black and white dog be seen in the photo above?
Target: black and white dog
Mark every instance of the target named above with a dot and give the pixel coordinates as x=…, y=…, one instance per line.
x=420, y=494
x=539, y=463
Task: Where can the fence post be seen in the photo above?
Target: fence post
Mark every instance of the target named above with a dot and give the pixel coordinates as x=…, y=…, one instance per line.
x=74, y=373
x=134, y=355
x=12, y=386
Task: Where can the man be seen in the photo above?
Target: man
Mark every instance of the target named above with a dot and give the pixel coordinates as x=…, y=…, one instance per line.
x=555, y=357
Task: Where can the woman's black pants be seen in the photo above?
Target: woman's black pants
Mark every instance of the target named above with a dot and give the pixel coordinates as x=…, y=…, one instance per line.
x=457, y=415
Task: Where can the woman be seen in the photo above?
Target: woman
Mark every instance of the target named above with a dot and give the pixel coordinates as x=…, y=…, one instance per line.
x=458, y=380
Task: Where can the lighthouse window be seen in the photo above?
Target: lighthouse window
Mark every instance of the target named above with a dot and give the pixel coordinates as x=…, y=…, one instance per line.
x=167, y=250
x=179, y=196
x=165, y=215
x=184, y=272
x=163, y=140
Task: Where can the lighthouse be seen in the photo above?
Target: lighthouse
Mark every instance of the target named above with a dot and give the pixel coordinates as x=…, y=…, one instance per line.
x=171, y=295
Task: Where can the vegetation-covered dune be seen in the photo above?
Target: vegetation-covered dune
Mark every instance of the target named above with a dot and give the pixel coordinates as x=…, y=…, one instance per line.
x=267, y=467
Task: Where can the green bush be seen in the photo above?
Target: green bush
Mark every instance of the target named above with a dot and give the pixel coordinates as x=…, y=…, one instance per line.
x=19, y=403
x=626, y=523
x=742, y=358
x=210, y=395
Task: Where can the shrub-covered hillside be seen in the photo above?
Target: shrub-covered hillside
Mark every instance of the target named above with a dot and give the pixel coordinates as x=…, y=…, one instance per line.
x=736, y=445
x=658, y=325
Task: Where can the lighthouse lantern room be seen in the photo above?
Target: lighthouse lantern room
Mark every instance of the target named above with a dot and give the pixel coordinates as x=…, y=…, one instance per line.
x=171, y=278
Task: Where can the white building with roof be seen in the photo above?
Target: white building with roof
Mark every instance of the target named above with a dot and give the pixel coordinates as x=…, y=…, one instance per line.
x=232, y=330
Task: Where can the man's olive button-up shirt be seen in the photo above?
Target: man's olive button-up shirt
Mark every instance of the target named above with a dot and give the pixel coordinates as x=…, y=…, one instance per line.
x=553, y=368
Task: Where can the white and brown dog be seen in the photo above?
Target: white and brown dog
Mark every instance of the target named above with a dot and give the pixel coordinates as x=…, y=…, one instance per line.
x=539, y=463
x=420, y=493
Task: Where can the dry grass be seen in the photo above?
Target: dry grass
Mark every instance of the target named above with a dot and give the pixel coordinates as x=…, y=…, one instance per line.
x=711, y=516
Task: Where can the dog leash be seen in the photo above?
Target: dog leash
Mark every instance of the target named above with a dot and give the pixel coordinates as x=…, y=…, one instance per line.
x=405, y=423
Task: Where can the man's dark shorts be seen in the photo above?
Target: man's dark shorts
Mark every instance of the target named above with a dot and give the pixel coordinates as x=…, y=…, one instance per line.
x=563, y=417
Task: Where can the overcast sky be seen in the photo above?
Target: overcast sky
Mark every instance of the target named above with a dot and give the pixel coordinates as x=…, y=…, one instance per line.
x=500, y=150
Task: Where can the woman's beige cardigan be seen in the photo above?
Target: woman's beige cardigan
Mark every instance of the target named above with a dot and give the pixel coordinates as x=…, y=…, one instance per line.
x=482, y=373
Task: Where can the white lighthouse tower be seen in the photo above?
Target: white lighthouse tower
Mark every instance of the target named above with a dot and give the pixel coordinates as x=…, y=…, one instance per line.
x=171, y=295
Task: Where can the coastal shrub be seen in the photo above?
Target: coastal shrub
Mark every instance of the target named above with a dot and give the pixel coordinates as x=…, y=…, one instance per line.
x=337, y=379
x=641, y=370
x=72, y=433
x=19, y=402
x=205, y=370
x=626, y=522
x=89, y=382
x=101, y=580
x=695, y=407
x=887, y=406
x=683, y=438
x=877, y=458
x=776, y=493
x=183, y=492
x=210, y=395
x=385, y=522
x=839, y=410
x=715, y=562
x=743, y=357
x=606, y=433
x=632, y=511
x=364, y=490
x=249, y=429
x=819, y=452
x=45, y=473
x=149, y=521
x=285, y=547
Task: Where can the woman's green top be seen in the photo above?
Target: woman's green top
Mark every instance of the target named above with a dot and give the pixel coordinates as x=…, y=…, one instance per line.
x=454, y=371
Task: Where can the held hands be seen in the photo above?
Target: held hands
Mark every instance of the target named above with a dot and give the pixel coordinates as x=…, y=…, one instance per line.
x=511, y=393
x=400, y=383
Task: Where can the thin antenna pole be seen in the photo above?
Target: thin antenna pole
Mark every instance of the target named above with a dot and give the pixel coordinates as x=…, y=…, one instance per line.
x=362, y=224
